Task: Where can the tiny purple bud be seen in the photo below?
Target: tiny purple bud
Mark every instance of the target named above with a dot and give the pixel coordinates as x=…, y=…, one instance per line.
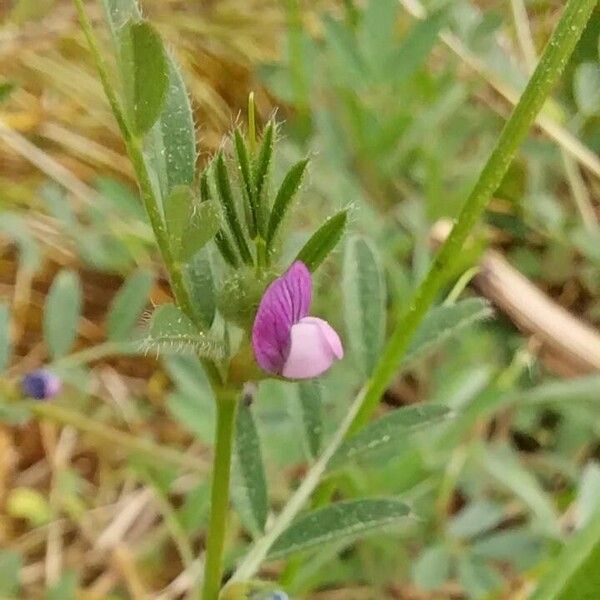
x=285, y=339
x=41, y=384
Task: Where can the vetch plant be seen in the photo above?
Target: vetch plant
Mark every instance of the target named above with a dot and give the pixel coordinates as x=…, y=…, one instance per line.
x=246, y=314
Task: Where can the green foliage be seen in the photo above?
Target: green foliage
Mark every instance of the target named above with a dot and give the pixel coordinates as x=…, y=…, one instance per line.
x=283, y=201
x=323, y=241
x=342, y=521
x=61, y=313
x=364, y=302
x=10, y=567
x=442, y=323
x=200, y=281
x=261, y=172
x=307, y=404
x=192, y=403
x=249, y=483
x=229, y=205
x=574, y=574
x=388, y=432
x=5, y=337
x=145, y=62
x=128, y=305
x=169, y=329
x=65, y=588
x=191, y=224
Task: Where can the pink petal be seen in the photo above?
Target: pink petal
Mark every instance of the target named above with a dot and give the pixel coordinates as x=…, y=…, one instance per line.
x=285, y=302
x=314, y=347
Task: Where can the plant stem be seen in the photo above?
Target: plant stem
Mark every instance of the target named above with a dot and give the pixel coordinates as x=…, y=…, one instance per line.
x=554, y=58
x=550, y=66
x=219, y=506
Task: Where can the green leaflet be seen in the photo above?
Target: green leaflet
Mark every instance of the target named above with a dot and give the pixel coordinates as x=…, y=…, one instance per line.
x=308, y=403
x=61, y=313
x=364, y=302
x=128, y=304
x=387, y=431
x=249, y=482
x=247, y=179
x=261, y=172
x=231, y=214
x=191, y=224
x=170, y=146
x=443, y=322
x=283, y=201
x=170, y=329
x=342, y=521
x=323, y=241
x=146, y=71
x=574, y=575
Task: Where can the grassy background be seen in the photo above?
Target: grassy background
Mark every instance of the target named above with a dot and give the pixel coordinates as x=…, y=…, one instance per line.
x=398, y=123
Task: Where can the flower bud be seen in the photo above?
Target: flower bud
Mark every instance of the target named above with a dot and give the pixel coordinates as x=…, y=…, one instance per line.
x=41, y=384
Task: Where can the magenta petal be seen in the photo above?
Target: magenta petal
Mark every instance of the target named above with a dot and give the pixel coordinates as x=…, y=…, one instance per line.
x=314, y=347
x=285, y=302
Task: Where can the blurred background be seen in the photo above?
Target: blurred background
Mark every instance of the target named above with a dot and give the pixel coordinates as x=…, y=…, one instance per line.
x=398, y=103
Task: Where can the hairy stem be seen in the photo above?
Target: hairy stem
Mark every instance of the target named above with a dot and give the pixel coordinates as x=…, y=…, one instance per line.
x=213, y=570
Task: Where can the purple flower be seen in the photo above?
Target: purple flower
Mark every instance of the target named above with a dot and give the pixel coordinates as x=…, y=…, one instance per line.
x=41, y=384
x=285, y=339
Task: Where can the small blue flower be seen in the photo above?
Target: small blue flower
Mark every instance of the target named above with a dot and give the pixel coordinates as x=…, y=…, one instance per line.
x=41, y=384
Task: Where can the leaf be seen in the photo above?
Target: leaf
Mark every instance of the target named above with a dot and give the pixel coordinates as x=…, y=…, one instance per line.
x=171, y=143
x=148, y=74
x=504, y=466
x=476, y=578
x=249, y=483
x=476, y=518
x=283, y=201
x=13, y=414
x=323, y=241
x=389, y=430
x=586, y=88
x=228, y=202
x=200, y=282
x=261, y=171
x=178, y=210
x=309, y=411
x=364, y=302
x=128, y=304
x=578, y=389
x=65, y=588
x=432, y=568
x=203, y=225
x=245, y=169
x=10, y=569
x=415, y=48
x=5, y=336
x=574, y=574
x=61, y=313
x=177, y=131
x=442, y=323
x=170, y=329
x=192, y=404
x=341, y=521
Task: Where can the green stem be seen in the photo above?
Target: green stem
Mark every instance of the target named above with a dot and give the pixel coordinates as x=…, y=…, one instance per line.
x=550, y=66
x=213, y=569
